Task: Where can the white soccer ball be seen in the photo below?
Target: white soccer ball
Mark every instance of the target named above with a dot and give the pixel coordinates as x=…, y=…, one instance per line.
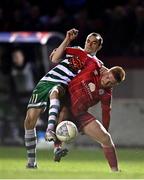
x=66, y=131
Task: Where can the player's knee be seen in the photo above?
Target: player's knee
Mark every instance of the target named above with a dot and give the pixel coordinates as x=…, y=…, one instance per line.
x=56, y=92
x=106, y=139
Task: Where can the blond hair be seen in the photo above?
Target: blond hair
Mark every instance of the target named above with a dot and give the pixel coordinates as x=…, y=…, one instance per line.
x=118, y=73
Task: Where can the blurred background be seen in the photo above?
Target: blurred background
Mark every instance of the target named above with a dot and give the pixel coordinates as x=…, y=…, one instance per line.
x=30, y=30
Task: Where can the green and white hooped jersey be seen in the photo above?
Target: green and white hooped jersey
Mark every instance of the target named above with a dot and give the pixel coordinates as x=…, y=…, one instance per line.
x=62, y=73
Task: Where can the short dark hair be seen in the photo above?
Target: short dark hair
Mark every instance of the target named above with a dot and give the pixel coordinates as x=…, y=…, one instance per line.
x=98, y=36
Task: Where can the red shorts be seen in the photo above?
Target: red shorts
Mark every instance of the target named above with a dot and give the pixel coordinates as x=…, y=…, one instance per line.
x=82, y=120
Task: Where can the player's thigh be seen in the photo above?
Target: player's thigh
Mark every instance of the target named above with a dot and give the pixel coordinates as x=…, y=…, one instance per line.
x=31, y=117
x=96, y=131
x=57, y=92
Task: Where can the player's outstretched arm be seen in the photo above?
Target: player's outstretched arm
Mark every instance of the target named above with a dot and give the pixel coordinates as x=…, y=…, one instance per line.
x=106, y=110
x=58, y=53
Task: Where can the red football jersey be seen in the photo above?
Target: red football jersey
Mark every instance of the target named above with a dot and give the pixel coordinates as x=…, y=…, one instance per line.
x=82, y=59
x=85, y=92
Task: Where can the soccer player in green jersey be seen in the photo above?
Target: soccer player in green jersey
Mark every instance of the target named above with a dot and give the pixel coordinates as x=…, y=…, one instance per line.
x=50, y=89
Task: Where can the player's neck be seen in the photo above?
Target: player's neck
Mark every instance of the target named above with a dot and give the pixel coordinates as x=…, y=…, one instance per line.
x=93, y=54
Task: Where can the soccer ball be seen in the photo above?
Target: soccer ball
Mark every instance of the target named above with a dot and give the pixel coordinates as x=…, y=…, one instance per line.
x=66, y=131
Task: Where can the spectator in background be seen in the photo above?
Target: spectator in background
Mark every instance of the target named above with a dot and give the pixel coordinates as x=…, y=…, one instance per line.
x=23, y=82
x=22, y=79
x=22, y=73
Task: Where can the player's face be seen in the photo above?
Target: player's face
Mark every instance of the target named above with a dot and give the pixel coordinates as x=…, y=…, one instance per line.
x=108, y=80
x=91, y=44
x=18, y=58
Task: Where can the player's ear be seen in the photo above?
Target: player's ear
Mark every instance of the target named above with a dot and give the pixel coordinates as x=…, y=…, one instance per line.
x=99, y=47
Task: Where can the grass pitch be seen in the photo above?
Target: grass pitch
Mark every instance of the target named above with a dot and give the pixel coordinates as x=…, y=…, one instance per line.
x=79, y=164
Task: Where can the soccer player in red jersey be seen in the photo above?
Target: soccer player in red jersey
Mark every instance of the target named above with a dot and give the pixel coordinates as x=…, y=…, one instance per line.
x=88, y=88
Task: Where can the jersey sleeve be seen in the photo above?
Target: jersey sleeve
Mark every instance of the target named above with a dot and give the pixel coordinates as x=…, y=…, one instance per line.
x=106, y=110
x=77, y=52
x=83, y=56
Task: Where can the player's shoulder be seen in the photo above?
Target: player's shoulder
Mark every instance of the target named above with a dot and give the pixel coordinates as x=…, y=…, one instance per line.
x=74, y=48
x=100, y=61
x=78, y=47
x=97, y=59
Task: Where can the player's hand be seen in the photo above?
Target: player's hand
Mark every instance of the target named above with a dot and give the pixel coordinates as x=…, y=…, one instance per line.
x=71, y=34
x=52, y=53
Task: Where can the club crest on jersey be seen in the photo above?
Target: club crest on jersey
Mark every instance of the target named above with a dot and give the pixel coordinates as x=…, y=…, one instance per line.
x=101, y=91
x=92, y=87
